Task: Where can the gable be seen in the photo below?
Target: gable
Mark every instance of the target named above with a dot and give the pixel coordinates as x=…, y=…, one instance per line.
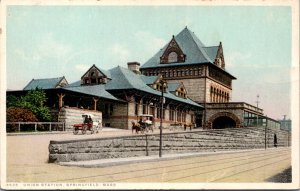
x=181, y=91
x=63, y=82
x=219, y=60
x=93, y=76
x=173, y=53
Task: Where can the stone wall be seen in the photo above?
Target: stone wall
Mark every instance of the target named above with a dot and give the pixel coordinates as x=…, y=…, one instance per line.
x=195, y=88
x=71, y=116
x=118, y=118
x=210, y=83
x=180, y=142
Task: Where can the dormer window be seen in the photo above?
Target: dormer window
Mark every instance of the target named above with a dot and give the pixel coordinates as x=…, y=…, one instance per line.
x=93, y=76
x=173, y=57
x=172, y=54
x=181, y=92
x=160, y=84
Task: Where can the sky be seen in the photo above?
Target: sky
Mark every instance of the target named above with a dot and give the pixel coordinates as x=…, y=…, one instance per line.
x=55, y=41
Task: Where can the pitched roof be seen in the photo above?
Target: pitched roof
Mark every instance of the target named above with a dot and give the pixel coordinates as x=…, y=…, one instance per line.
x=123, y=79
x=48, y=83
x=192, y=47
x=149, y=79
x=211, y=51
x=95, y=90
x=173, y=87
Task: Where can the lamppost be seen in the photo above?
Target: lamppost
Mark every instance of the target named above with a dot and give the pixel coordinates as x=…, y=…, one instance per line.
x=163, y=85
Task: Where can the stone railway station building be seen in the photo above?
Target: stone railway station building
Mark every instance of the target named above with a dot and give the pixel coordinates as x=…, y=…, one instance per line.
x=198, y=90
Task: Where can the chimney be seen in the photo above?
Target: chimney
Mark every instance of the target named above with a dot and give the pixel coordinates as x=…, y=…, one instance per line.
x=134, y=66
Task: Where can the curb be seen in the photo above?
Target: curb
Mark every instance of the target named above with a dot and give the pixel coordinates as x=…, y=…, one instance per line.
x=121, y=161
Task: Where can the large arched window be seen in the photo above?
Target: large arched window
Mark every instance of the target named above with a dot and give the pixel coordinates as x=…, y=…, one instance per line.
x=173, y=57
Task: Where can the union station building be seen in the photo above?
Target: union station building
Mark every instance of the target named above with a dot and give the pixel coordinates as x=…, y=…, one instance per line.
x=192, y=77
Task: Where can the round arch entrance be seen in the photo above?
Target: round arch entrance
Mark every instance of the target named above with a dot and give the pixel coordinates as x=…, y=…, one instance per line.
x=223, y=120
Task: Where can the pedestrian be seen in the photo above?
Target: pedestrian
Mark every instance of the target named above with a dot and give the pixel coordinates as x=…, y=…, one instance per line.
x=275, y=140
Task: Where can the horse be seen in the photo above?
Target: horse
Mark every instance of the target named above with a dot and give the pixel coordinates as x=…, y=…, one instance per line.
x=97, y=125
x=190, y=125
x=136, y=127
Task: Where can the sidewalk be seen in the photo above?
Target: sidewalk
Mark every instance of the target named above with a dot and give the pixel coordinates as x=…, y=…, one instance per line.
x=104, y=129
x=141, y=159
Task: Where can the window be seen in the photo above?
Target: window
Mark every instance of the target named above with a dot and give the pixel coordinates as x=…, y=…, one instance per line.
x=173, y=57
x=111, y=109
x=152, y=109
x=183, y=117
x=158, y=112
x=93, y=80
x=136, y=109
x=171, y=115
x=145, y=109
x=178, y=116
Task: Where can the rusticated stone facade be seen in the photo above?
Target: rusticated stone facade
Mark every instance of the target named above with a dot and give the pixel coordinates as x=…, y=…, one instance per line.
x=71, y=116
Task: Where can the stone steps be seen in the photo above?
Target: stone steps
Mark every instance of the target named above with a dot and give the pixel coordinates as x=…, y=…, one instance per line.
x=179, y=142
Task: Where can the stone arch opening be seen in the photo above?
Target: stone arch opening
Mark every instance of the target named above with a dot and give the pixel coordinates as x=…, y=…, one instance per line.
x=223, y=120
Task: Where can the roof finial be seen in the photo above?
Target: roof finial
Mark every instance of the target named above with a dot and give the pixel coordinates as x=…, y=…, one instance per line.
x=185, y=26
x=173, y=36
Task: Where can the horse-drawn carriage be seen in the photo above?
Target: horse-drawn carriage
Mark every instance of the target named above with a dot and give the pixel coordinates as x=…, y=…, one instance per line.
x=87, y=125
x=144, y=124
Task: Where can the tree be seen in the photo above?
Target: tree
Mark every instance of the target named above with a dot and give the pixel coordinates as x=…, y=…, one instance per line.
x=34, y=101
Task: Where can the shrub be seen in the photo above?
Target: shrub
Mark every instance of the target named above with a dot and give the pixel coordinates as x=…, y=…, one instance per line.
x=14, y=114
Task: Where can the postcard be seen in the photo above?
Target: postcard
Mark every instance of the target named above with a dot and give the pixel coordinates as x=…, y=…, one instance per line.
x=112, y=95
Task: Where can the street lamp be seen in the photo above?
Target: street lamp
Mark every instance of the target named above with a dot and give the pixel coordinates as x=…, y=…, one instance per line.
x=163, y=85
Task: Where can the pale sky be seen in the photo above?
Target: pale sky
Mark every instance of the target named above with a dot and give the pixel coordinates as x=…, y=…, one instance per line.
x=55, y=41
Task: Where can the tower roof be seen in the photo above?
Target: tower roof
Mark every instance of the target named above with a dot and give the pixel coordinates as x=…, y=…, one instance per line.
x=196, y=52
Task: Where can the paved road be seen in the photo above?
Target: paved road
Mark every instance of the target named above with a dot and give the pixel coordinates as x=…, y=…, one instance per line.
x=27, y=162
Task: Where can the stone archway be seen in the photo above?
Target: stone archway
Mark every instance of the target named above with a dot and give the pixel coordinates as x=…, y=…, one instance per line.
x=223, y=120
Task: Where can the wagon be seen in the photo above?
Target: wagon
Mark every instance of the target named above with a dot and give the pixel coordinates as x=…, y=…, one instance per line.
x=87, y=125
x=145, y=122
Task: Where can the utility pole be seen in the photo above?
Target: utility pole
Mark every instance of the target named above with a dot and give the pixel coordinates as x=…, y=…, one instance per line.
x=284, y=126
x=257, y=110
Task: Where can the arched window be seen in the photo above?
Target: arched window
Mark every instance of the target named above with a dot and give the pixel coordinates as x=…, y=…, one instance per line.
x=173, y=57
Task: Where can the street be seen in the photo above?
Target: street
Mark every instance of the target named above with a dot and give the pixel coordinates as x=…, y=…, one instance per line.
x=28, y=155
